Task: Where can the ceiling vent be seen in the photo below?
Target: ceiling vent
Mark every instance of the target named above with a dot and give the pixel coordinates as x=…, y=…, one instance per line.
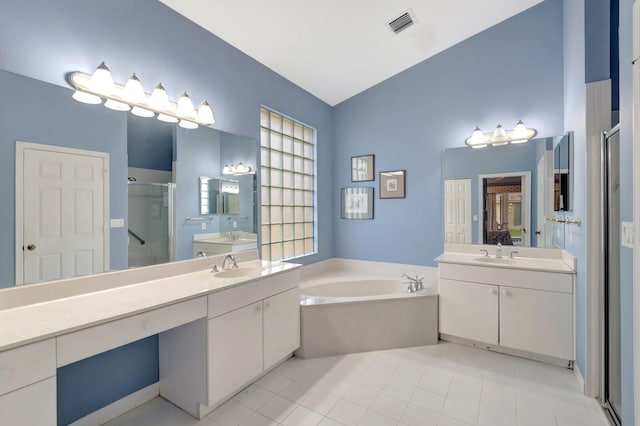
x=402, y=22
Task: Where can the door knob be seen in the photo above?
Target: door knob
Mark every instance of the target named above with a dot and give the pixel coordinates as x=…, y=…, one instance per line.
x=31, y=247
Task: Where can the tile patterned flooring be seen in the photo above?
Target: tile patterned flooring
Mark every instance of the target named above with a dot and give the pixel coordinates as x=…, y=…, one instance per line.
x=440, y=385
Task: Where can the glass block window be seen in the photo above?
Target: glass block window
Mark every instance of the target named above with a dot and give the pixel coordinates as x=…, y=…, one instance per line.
x=287, y=187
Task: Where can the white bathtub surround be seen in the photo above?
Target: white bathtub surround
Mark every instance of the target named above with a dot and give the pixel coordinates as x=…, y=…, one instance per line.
x=523, y=305
x=354, y=306
x=445, y=384
x=50, y=325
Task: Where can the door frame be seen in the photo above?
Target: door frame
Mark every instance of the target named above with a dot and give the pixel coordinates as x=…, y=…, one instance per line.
x=21, y=147
x=526, y=201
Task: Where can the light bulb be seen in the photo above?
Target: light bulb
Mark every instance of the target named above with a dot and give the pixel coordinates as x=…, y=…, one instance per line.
x=186, y=124
x=205, y=113
x=159, y=99
x=499, y=136
x=477, y=137
x=116, y=105
x=185, y=107
x=521, y=134
x=86, y=98
x=142, y=112
x=167, y=118
x=133, y=91
x=101, y=80
x=226, y=170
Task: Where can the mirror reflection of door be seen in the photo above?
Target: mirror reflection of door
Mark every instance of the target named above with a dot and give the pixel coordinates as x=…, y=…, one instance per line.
x=503, y=210
x=62, y=228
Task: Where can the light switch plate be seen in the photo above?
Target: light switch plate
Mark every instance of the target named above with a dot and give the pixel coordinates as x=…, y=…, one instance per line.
x=627, y=234
x=117, y=223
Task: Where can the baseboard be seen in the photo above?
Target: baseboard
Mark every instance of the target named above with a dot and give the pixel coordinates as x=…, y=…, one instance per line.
x=119, y=407
x=579, y=378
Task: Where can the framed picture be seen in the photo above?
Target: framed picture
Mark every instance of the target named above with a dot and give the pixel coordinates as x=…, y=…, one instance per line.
x=392, y=184
x=362, y=168
x=357, y=203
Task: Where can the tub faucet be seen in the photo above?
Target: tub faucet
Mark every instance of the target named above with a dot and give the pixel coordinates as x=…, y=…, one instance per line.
x=201, y=253
x=499, y=251
x=231, y=258
x=414, y=283
x=484, y=252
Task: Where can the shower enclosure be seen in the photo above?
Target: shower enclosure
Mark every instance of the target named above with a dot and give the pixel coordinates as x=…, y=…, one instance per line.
x=612, y=383
x=151, y=223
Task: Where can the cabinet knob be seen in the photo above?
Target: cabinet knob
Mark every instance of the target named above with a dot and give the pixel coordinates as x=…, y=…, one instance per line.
x=505, y=291
x=266, y=305
x=31, y=247
x=493, y=291
x=258, y=308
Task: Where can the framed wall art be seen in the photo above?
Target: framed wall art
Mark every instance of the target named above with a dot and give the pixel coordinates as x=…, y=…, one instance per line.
x=392, y=184
x=357, y=203
x=363, y=168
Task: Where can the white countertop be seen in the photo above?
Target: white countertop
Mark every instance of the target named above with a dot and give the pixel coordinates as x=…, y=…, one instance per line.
x=527, y=258
x=33, y=322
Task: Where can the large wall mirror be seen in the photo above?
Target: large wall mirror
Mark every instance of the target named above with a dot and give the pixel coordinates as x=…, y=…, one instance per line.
x=504, y=194
x=146, y=202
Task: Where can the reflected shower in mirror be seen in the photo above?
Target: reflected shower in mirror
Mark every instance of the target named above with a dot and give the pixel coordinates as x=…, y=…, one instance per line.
x=502, y=194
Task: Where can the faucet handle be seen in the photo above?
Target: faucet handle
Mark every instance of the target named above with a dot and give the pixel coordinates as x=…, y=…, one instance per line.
x=485, y=252
x=511, y=253
x=215, y=268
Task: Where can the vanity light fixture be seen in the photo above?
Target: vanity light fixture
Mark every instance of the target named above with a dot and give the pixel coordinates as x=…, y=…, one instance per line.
x=500, y=136
x=239, y=170
x=93, y=88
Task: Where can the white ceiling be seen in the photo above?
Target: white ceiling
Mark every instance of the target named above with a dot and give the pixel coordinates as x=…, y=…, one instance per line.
x=335, y=49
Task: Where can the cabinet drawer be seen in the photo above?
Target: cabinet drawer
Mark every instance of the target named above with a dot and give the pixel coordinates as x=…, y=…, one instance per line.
x=237, y=297
x=31, y=405
x=536, y=280
x=27, y=364
x=82, y=344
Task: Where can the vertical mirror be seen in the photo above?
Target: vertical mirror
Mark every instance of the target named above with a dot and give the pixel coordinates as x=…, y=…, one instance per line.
x=562, y=178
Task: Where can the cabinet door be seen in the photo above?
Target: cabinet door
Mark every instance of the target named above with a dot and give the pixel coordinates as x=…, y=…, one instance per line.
x=235, y=350
x=469, y=310
x=281, y=326
x=537, y=321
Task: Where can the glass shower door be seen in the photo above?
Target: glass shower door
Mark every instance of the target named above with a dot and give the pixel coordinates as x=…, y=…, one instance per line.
x=612, y=221
x=150, y=223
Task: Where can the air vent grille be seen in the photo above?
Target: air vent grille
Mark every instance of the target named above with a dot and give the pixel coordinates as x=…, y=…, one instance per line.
x=401, y=23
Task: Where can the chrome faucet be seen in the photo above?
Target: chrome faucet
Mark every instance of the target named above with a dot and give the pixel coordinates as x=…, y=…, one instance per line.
x=201, y=253
x=414, y=283
x=484, y=252
x=499, y=251
x=511, y=253
x=232, y=258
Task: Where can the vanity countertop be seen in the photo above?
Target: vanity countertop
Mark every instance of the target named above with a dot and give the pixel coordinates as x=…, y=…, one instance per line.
x=527, y=258
x=33, y=322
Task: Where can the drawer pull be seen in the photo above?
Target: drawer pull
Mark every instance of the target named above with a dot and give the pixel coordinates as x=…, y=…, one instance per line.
x=505, y=292
x=493, y=291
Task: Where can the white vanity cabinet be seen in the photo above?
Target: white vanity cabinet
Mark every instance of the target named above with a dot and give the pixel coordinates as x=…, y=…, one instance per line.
x=28, y=385
x=249, y=329
x=524, y=310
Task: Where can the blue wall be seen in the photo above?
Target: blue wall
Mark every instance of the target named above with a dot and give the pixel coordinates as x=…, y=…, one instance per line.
x=86, y=386
x=509, y=72
x=149, y=143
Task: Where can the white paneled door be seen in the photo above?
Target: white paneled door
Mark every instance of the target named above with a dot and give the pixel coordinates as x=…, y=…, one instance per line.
x=61, y=212
x=457, y=211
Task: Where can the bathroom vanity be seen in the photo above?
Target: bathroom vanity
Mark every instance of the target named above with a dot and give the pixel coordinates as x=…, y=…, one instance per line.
x=523, y=305
x=217, y=332
x=218, y=243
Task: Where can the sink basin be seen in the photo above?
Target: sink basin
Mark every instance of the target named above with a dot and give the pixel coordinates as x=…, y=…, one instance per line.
x=240, y=272
x=503, y=261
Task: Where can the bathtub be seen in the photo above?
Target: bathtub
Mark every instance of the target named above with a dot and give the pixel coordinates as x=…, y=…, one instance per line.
x=347, y=307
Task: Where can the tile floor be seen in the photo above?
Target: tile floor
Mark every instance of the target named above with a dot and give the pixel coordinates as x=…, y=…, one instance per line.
x=444, y=385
